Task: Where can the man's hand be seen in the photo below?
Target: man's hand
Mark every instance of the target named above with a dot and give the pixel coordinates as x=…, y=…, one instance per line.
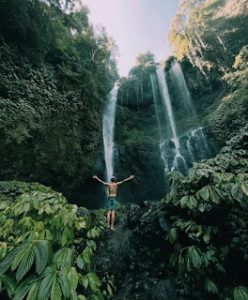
x=94, y=177
x=131, y=177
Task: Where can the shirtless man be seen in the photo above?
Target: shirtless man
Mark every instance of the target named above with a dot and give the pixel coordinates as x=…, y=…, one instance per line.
x=112, y=195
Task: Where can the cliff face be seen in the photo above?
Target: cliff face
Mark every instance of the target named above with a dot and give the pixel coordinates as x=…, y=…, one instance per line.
x=216, y=102
x=48, y=135
x=145, y=142
x=52, y=94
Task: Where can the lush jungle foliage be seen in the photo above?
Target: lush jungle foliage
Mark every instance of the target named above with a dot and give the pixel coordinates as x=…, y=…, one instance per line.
x=209, y=37
x=209, y=211
x=205, y=31
x=55, y=74
x=47, y=246
x=224, y=121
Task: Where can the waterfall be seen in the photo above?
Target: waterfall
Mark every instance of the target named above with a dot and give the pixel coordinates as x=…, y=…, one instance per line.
x=196, y=144
x=177, y=152
x=178, y=159
x=155, y=99
x=156, y=105
x=108, y=127
x=180, y=83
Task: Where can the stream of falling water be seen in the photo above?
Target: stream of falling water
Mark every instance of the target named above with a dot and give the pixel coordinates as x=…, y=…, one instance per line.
x=180, y=83
x=108, y=129
x=178, y=160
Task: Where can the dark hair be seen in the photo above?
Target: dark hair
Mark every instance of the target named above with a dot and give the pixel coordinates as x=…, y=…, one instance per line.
x=113, y=179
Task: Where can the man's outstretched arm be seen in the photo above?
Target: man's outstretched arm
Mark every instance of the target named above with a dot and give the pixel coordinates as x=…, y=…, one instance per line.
x=125, y=180
x=98, y=179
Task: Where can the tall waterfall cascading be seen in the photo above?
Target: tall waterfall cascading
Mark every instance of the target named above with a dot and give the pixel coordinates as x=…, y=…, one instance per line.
x=196, y=144
x=155, y=99
x=179, y=80
x=178, y=161
x=156, y=105
x=177, y=152
x=108, y=128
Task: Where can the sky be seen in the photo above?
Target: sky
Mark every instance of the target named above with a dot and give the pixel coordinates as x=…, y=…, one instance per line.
x=137, y=26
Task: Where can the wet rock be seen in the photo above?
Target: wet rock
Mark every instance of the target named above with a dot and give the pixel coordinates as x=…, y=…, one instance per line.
x=137, y=254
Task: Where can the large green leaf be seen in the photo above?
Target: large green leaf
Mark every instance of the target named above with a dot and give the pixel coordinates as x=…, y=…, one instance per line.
x=214, y=195
x=9, y=283
x=194, y=257
x=240, y=293
x=26, y=263
x=64, y=283
x=172, y=235
x=188, y=201
x=65, y=257
x=6, y=262
x=87, y=255
x=24, y=288
x=94, y=281
x=67, y=236
x=204, y=193
x=43, y=253
x=211, y=287
x=46, y=284
x=237, y=193
x=244, y=188
x=56, y=291
x=21, y=250
x=3, y=250
x=33, y=291
x=73, y=277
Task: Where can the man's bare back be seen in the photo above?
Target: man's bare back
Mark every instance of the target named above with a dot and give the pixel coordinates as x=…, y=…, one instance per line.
x=112, y=189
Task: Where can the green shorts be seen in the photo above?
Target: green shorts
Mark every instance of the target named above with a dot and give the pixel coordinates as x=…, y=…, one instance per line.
x=112, y=203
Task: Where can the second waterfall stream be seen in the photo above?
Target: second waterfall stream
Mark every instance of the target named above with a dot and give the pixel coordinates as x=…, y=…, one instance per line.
x=178, y=152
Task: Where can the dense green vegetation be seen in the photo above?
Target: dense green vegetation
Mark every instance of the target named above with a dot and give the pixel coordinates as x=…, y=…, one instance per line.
x=205, y=30
x=47, y=246
x=209, y=210
x=209, y=38
x=55, y=75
